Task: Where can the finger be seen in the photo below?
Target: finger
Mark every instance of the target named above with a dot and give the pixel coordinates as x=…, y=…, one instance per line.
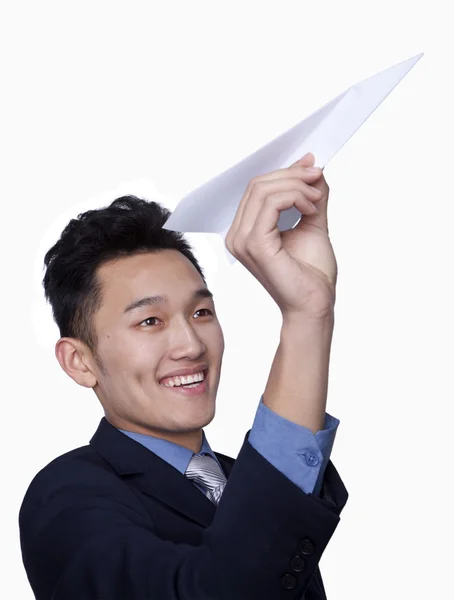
x=268, y=217
x=320, y=219
x=307, y=160
x=321, y=185
x=303, y=173
x=263, y=189
x=322, y=204
x=295, y=171
x=280, y=200
x=308, y=174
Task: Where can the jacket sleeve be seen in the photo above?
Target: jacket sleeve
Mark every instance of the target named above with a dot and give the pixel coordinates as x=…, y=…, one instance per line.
x=83, y=537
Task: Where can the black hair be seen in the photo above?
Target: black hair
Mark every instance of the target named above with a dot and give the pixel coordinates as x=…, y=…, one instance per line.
x=128, y=226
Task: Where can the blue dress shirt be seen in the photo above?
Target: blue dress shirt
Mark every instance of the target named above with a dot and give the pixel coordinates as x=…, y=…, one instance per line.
x=294, y=450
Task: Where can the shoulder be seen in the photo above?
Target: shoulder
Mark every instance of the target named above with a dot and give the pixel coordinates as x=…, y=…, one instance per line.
x=80, y=461
x=80, y=470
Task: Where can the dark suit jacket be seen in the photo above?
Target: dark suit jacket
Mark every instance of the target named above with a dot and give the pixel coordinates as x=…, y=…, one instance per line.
x=114, y=521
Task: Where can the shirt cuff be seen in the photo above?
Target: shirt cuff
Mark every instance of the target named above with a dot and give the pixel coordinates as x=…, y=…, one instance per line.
x=293, y=449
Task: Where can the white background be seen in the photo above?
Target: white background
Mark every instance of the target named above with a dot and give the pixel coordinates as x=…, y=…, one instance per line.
x=104, y=98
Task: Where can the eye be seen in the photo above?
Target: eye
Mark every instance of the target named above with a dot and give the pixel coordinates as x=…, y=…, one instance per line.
x=149, y=319
x=207, y=309
x=200, y=309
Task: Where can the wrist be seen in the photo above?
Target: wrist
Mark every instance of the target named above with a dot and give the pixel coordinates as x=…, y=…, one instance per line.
x=299, y=325
x=298, y=382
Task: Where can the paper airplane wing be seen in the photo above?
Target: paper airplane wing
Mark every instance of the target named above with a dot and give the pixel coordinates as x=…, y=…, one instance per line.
x=211, y=207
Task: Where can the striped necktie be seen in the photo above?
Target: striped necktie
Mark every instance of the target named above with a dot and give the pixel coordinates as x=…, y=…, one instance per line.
x=205, y=471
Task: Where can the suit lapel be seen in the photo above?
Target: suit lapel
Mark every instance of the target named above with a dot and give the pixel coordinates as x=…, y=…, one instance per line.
x=154, y=476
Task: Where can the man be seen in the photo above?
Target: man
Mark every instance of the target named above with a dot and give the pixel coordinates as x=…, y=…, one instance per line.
x=147, y=510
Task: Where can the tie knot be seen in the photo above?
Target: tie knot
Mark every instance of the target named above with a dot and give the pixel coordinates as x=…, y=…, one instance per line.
x=204, y=470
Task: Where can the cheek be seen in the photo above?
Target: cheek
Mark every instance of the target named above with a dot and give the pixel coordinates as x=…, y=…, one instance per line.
x=218, y=340
x=142, y=355
x=221, y=335
x=123, y=354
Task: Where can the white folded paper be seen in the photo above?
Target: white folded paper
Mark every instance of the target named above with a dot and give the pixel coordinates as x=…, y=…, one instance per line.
x=211, y=207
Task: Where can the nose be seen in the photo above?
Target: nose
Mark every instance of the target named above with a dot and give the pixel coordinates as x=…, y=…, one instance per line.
x=185, y=343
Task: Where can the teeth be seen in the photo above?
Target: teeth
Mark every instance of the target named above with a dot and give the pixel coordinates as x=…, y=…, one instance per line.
x=177, y=381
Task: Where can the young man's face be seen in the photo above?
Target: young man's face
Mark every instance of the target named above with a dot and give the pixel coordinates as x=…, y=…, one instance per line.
x=140, y=346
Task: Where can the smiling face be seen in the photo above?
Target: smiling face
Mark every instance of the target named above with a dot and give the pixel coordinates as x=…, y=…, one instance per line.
x=139, y=343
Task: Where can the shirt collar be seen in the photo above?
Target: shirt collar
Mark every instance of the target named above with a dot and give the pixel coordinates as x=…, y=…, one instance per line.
x=176, y=455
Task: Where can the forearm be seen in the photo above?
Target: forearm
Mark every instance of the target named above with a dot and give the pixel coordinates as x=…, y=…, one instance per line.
x=297, y=386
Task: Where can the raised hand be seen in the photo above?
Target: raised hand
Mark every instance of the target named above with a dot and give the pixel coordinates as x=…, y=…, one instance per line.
x=297, y=267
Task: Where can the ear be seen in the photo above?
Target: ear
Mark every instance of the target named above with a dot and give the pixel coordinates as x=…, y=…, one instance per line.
x=75, y=360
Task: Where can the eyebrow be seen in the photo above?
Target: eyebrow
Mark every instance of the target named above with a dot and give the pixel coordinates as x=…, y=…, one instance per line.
x=151, y=300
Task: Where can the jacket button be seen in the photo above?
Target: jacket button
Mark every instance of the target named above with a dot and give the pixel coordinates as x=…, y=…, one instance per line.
x=297, y=563
x=306, y=547
x=288, y=581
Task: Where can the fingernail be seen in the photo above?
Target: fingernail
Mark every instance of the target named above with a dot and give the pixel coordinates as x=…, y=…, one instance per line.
x=314, y=169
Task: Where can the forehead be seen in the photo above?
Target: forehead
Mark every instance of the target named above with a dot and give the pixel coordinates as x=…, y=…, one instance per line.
x=167, y=272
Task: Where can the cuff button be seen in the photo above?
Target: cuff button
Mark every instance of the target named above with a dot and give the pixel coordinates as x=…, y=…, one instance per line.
x=288, y=581
x=306, y=547
x=297, y=563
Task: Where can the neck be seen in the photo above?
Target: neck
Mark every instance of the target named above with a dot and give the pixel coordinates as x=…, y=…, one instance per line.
x=189, y=439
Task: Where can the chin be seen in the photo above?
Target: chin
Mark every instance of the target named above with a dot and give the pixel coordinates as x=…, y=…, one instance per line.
x=203, y=419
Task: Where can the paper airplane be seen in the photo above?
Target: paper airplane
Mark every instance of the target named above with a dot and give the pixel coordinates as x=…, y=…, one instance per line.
x=211, y=207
